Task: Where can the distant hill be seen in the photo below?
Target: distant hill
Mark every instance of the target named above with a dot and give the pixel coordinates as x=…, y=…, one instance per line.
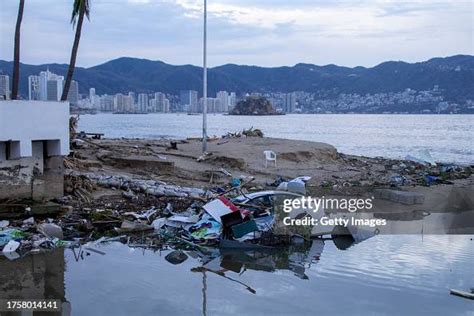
x=454, y=75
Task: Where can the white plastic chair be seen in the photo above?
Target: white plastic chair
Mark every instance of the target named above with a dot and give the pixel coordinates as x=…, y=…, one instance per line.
x=270, y=156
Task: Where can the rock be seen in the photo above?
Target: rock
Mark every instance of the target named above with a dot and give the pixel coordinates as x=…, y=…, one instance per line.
x=176, y=257
x=50, y=230
x=4, y=224
x=129, y=195
x=253, y=106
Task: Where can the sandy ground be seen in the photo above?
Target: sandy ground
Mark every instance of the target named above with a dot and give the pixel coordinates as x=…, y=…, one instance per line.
x=331, y=172
x=238, y=156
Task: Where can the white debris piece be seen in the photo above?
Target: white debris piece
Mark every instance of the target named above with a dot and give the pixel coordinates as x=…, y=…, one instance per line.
x=4, y=224
x=11, y=246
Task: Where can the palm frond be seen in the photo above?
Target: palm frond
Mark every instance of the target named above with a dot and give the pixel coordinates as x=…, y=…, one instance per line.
x=76, y=10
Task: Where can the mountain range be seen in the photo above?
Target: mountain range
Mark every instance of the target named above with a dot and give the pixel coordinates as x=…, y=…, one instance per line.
x=454, y=75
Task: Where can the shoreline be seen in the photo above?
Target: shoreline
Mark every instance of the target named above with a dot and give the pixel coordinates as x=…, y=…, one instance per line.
x=331, y=172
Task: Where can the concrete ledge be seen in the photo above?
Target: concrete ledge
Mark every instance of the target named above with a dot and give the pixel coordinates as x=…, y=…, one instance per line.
x=22, y=122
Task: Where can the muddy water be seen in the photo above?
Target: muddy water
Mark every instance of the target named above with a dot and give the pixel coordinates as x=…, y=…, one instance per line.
x=393, y=275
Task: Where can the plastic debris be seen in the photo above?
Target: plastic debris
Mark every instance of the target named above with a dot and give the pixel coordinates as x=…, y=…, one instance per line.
x=147, y=215
x=10, y=234
x=424, y=157
x=29, y=221
x=397, y=180
x=235, y=182
x=206, y=228
x=158, y=223
x=50, y=230
x=219, y=207
x=11, y=246
x=244, y=228
x=296, y=185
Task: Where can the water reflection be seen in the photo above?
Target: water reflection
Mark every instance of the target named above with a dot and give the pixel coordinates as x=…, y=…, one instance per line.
x=39, y=276
x=296, y=258
x=381, y=274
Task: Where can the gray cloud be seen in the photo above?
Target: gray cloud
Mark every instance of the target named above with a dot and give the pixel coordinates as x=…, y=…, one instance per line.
x=261, y=32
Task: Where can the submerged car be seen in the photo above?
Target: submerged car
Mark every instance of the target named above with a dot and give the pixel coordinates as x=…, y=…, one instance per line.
x=264, y=199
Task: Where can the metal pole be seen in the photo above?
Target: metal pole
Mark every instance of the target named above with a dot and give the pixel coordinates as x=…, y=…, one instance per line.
x=204, y=92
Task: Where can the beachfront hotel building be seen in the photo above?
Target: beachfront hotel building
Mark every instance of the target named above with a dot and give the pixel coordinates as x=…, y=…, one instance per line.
x=142, y=105
x=48, y=86
x=189, y=100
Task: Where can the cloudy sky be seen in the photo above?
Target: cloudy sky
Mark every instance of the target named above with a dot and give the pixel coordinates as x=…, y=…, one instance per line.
x=256, y=32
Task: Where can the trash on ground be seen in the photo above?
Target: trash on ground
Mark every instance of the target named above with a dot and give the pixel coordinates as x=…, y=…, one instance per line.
x=468, y=295
x=423, y=157
x=11, y=246
x=50, y=230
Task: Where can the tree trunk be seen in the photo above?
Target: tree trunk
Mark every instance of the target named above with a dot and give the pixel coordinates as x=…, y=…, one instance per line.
x=16, y=54
x=75, y=47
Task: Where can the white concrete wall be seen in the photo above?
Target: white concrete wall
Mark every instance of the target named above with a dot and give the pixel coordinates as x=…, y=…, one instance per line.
x=27, y=121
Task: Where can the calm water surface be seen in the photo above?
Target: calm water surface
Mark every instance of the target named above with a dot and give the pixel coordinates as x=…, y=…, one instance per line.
x=384, y=275
x=450, y=138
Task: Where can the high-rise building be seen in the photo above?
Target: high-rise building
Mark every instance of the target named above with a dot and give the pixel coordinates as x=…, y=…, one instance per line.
x=4, y=87
x=107, y=103
x=213, y=105
x=119, y=103
x=189, y=100
x=142, y=103
x=289, y=105
x=152, y=107
x=166, y=106
x=133, y=97
x=51, y=86
x=34, y=87
x=91, y=94
x=129, y=104
x=160, y=101
x=73, y=94
x=232, y=101
x=223, y=98
x=54, y=90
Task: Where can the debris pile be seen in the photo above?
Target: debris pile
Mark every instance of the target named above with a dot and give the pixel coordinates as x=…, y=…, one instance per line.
x=133, y=186
x=251, y=132
x=79, y=186
x=178, y=215
x=30, y=235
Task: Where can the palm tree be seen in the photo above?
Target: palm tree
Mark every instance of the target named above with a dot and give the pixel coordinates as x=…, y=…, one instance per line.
x=80, y=8
x=16, y=54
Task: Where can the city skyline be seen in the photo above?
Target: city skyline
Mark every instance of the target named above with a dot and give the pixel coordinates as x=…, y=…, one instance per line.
x=320, y=32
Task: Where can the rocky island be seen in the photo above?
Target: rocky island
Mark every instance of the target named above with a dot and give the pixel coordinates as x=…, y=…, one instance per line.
x=253, y=105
